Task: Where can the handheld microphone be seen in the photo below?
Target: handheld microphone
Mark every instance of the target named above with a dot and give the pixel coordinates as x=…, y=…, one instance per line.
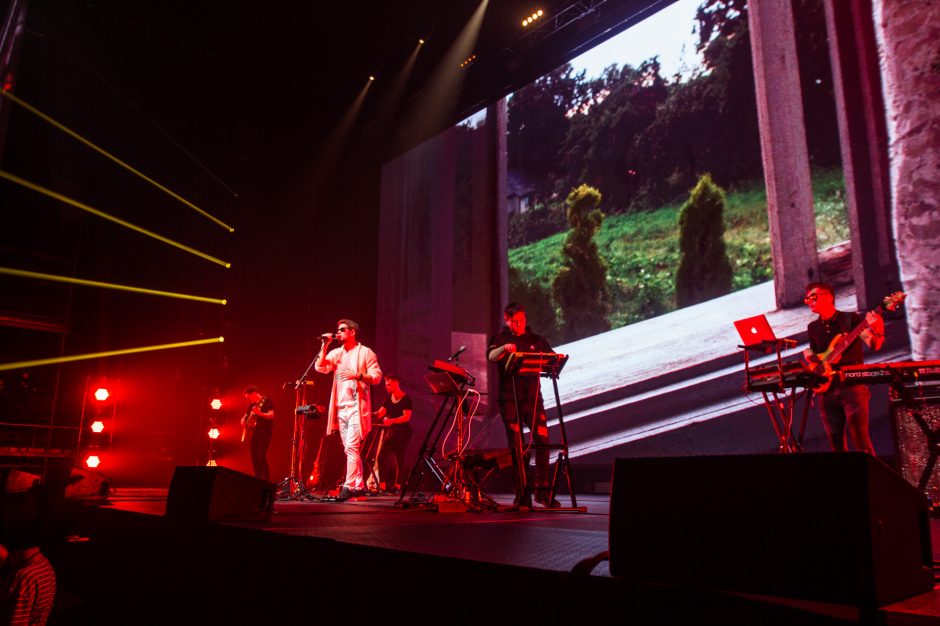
x=327, y=337
x=460, y=351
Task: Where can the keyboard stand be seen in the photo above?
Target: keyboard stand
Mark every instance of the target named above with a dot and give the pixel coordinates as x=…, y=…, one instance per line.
x=546, y=365
x=779, y=387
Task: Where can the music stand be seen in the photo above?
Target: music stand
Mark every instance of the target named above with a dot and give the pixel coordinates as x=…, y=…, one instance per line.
x=547, y=365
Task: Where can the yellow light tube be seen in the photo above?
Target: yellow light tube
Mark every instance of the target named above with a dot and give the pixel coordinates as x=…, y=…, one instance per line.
x=107, y=154
x=84, y=207
x=94, y=283
x=97, y=355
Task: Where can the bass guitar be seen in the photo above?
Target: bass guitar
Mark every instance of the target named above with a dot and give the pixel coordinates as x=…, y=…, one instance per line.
x=820, y=363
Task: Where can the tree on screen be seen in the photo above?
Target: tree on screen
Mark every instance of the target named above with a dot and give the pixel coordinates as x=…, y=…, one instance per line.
x=537, y=124
x=580, y=287
x=599, y=146
x=704, y=270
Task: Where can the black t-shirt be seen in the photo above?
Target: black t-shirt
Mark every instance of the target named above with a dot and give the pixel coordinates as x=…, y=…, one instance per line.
x=528, y=388
x=821, y=334
x=397, y=409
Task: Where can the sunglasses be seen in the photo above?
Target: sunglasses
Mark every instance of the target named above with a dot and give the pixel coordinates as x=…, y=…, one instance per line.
x=343, y=329
x=813, y=297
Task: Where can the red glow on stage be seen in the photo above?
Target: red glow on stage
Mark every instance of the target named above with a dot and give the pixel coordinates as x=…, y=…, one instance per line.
x=97, y=426
x=92, y=461
x=102, y=394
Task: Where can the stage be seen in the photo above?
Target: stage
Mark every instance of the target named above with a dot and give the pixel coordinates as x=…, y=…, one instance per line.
x=372, y=559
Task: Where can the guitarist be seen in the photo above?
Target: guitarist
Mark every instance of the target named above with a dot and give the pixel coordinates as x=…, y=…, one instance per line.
x=842, y=407
x=259, y=420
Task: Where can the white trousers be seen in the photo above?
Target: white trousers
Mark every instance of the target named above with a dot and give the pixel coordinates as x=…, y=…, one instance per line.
x=350, y=433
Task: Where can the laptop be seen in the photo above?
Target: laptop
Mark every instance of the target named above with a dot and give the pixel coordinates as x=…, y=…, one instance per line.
x=756, y=332
x=441, y=383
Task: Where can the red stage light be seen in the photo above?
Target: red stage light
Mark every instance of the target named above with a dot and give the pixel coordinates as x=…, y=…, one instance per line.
x=97, y=426
x=102, y=394
x=216, y=404
x=92, y=461
x=214, y=433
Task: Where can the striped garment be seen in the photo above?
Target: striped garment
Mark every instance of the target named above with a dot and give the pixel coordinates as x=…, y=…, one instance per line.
x=26, y=595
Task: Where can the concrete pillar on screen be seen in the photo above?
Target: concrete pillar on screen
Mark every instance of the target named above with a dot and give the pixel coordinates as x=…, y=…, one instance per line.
x=864, y=144
x=908, y=31
x=783, y=149
x=480, y=249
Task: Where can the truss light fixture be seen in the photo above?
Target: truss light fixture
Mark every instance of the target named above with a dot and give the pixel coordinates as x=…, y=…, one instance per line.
x=468, y=61
x=532, y=18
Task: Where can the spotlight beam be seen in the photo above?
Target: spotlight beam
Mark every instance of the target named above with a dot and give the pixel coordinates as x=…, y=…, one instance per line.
x=84, y=207
x=333, y=145
x=105, y=153
x=445, y=83
x=94, y=283
x=396, y=89
x=98, y=355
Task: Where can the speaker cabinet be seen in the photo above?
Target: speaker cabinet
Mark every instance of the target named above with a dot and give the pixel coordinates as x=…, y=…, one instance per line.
x=840, y=528
x=913, y=438
x=218, y=494
x=87, y=484
x=17, y=480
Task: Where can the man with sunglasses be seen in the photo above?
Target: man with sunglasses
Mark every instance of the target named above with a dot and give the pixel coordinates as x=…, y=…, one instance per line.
x=356, y=370
x=842, y=407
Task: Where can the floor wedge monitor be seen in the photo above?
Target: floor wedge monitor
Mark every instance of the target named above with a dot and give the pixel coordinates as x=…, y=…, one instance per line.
x=218, y=494
x=840, y=528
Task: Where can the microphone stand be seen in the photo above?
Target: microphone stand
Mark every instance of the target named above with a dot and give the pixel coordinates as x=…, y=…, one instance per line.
x=292, y=487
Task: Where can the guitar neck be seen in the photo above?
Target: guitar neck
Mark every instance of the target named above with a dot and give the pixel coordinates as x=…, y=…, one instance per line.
x=847, y=340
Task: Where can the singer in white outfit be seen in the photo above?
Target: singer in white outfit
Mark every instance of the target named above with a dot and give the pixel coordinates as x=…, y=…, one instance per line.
x=357, y=369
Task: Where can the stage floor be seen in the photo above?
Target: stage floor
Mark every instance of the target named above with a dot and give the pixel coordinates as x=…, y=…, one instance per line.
x=532, y=543
x=538, y=538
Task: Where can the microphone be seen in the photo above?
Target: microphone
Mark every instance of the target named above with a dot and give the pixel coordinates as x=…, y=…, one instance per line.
x=327, y=337
x=460, y=351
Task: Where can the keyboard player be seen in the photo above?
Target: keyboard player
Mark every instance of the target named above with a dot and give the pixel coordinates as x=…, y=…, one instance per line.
x=395, y=415
x=520, y=401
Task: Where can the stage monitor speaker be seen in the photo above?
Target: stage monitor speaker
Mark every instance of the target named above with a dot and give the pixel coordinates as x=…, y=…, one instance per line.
x=85, y=483
x=218, y=494
x=914, y=443
x=17, y=480
x=840, y=528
